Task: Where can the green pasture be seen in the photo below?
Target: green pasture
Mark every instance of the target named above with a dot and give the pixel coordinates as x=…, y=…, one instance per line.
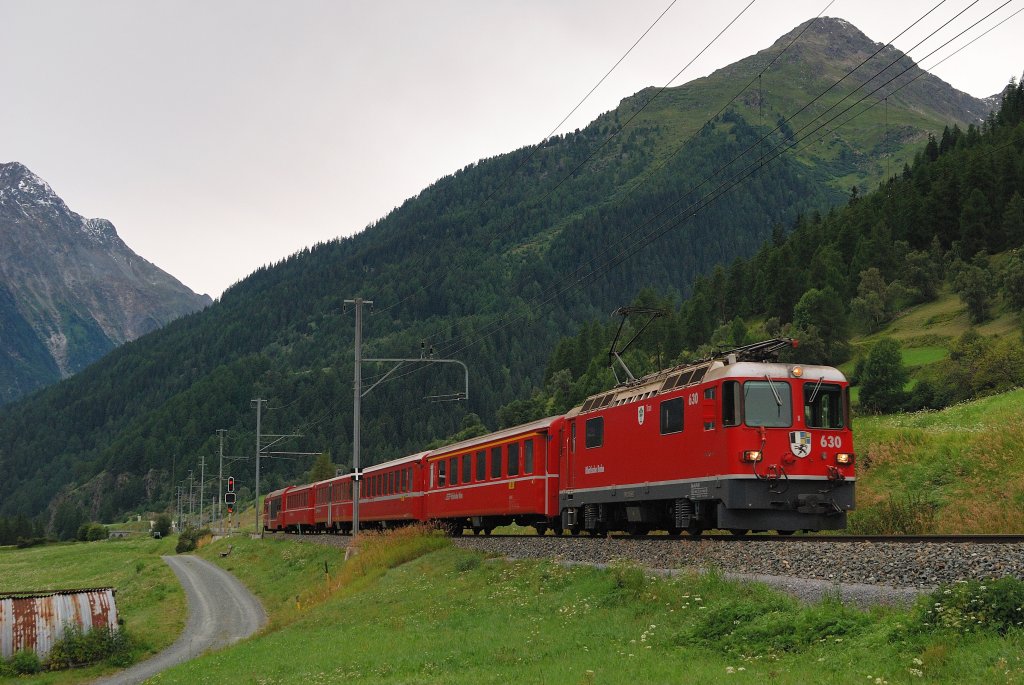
x=149, y=598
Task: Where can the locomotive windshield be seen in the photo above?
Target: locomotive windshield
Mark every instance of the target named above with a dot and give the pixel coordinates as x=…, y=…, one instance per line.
x=823, y=405
x=767, y=403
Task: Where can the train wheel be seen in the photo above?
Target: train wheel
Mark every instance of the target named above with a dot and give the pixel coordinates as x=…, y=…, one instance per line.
x=785, y=532
x=476, y=530
x=488, y=531
x=574, y=531
x=541, y=528
x=739, y=532
x=558, y=531
x=674, y=532
x=695, y=532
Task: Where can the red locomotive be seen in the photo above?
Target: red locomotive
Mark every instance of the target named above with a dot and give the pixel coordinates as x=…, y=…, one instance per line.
x=738, y=442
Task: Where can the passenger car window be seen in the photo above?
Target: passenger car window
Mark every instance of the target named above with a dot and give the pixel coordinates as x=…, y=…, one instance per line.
x=513, y=459
x=481, y=465
x=495, y=462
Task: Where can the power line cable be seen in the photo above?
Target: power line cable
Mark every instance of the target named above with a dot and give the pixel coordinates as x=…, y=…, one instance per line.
x=536, y=148
x=623, y=238
x=723, y=188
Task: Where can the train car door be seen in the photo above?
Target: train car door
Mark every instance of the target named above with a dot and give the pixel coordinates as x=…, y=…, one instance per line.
x=330, y=505
x=570, y=451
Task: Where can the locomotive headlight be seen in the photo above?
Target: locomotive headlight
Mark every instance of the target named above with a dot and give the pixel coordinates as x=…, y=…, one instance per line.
x=797, y=371
x=751, y=456
x=844, y=458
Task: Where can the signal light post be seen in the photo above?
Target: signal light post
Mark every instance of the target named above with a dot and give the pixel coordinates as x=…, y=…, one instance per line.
x=229, y=499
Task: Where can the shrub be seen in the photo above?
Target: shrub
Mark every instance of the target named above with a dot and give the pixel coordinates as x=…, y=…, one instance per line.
x=909, y=515
x=974, y=605
x=189, y=539
x=97, y=531
x=162, y=525
x=78, y=648
x=25, y=662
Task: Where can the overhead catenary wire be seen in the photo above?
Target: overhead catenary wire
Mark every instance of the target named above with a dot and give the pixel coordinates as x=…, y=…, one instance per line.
x=610, y=137
x=728, y=186
x=623, y=238
x=712, y=196
x=537, y=147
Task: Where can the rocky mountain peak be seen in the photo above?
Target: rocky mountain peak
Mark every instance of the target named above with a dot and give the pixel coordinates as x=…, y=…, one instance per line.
x=70, y=289
x=838, y=33
x=20, y=186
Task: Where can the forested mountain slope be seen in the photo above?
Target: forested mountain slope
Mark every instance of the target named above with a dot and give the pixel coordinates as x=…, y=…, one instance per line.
x=489, y=264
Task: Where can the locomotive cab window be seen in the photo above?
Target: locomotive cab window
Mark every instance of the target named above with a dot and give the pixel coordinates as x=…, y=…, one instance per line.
x=768, y=403
x=823, y=405
x=731, y=414
x=672, y=416
x=595, y=432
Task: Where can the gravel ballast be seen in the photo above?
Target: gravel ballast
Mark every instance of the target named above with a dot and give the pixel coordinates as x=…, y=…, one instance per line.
x=863, y=573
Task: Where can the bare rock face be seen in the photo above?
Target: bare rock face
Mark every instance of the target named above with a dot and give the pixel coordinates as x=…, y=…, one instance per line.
x=70, y=289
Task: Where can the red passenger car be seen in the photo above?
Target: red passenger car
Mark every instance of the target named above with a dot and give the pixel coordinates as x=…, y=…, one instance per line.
x=290, y=509
x=497, y=479
x=333, y=509
x=391, y=493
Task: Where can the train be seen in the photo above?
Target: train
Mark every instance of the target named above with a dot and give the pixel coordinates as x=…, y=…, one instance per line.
x=737, y=441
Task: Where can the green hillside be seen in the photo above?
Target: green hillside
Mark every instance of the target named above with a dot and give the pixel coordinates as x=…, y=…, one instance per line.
x=493, y=265
x=960, y=470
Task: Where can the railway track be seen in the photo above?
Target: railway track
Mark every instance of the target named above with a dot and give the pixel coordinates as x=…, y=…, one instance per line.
x=725, y=538
x=922, y=561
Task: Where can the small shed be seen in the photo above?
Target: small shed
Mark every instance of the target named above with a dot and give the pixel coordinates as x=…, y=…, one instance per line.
x=35, y=620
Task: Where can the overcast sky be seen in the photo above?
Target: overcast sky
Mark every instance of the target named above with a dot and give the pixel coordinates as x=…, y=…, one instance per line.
x=219, y=136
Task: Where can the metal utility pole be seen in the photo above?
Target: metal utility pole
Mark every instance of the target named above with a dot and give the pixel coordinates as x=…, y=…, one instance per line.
x=358, y=394
x=191, y=482
x=220, y=479
x=356, y=397
x=202, y=490
x=259, y=416
x=178, y=489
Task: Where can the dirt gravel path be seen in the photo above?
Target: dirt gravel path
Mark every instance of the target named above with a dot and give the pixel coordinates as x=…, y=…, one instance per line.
x=221, y=611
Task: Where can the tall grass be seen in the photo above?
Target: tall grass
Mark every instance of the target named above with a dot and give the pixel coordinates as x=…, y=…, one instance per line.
x=960, y=470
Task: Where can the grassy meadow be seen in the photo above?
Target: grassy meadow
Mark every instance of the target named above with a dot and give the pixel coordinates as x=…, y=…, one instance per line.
x=149, y=598
x=412, y=609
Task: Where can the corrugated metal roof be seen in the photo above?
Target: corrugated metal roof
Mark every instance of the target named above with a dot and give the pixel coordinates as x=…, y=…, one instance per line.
x=36, y=620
